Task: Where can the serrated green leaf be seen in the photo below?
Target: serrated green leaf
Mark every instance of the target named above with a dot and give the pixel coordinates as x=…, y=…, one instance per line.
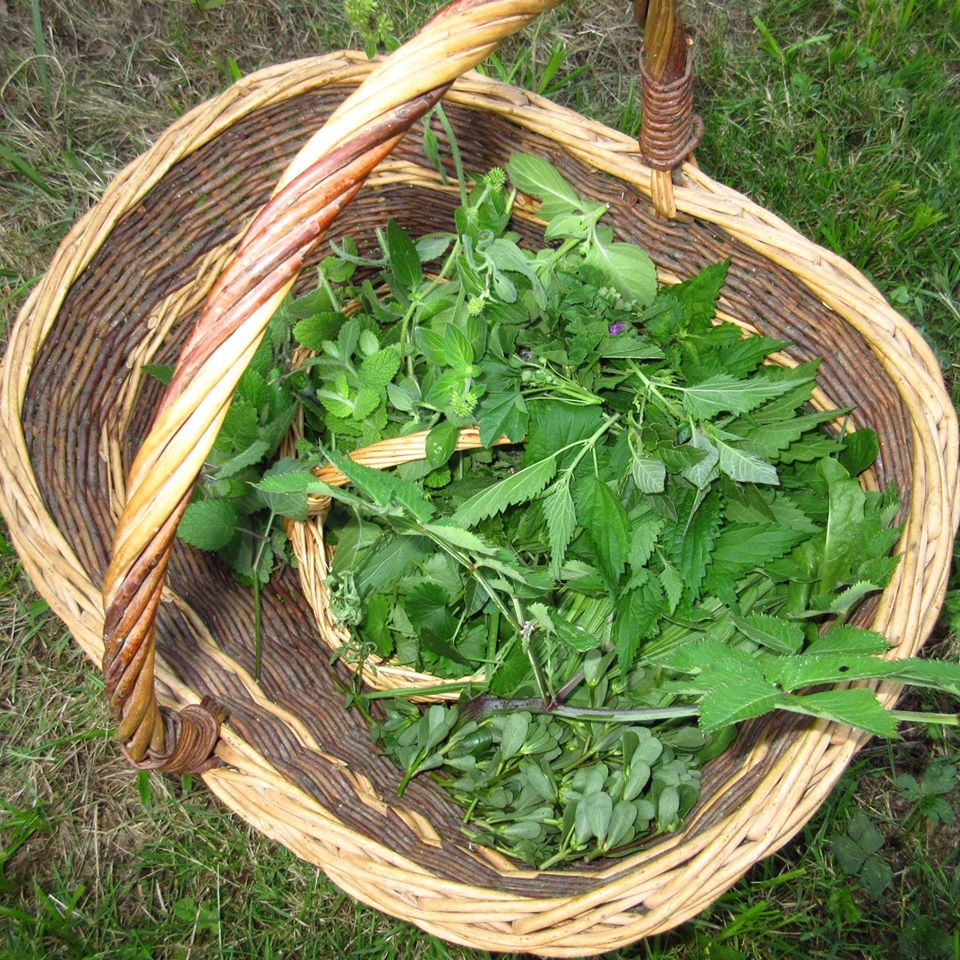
x=672, y=585
x=403, y=256
x=698, y=295
x=312, y=331
x=792, y=673
x=649, y=475
x=637, y=618
x=538, y=178
x=522, y=486
x=208, y=524
x=776, y=634
x=643, y=538
x=602, y=515
x=769, y=439
x=382, y=487
x=700, y=474
x=284, y=487
x=502, y=414
x=856, y=706
x=732, y=703
x=723, y=393
x=561, y=517
x=697, y=544
x=844, y=639
x=458, y=537
x=380, y=368
x=745, y=467
x=253, y=454
x=390, y=558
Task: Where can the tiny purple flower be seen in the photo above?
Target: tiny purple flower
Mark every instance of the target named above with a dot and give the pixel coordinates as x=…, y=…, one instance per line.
x=616, y=329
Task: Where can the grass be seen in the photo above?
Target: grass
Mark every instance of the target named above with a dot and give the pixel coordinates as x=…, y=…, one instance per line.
x=841, y=117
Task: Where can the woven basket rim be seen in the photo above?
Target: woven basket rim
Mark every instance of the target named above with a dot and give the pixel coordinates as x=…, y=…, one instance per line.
x=249, y=785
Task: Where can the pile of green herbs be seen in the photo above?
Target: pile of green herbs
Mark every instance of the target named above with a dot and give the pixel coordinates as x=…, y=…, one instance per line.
x=657, y=539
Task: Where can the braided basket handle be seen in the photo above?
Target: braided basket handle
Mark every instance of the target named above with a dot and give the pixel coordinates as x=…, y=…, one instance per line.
x=316, y=186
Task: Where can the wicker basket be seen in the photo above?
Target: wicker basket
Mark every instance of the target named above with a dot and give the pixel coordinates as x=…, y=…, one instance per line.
x=127, y=286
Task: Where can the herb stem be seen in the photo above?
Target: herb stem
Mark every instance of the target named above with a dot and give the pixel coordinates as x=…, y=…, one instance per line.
x=257, y=608
x=911, y=716
x=484, y=705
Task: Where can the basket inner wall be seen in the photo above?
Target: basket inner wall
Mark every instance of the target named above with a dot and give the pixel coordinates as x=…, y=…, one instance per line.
x=80, y=371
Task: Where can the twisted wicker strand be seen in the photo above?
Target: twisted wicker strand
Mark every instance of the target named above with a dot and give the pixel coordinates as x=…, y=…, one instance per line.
x=320, y=181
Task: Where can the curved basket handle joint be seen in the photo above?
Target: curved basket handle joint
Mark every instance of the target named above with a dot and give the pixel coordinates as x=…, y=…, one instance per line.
x=670, y=131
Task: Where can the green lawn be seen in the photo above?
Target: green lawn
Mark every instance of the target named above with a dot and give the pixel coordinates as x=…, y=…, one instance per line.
x=843, y=117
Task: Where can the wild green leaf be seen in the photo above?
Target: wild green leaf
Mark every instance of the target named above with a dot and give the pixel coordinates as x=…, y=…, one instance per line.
x=378, y=369
x=607, y=526
x=522, y=486
x=208, y=524
x=698, y=295
x=626, y=267
x=315, y=329
x=561, y=517
x=744, y=466
x=860, y=449
x=855, y=706
x=502, y=414
x=538, y=178
x=724, y=393
x=441, y=443
x=735, y=702
x=774, y=633
x=404, y=259
x=649, y=475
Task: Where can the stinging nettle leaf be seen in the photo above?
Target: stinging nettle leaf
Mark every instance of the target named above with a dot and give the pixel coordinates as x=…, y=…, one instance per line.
x=723, y=393
x=649, y=475
x=607, y=526
x=561, y=517
x=745, y=467
x=404, y=259
x=856, y=706
x=522, y=486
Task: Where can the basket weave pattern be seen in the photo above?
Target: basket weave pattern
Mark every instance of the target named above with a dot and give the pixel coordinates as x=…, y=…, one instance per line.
x=125, y=289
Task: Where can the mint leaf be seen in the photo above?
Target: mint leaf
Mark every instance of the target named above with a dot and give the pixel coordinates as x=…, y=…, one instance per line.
x=524, y=485
x=313, y=331
x=380, y=368
x=538, y=178
x=208, y=524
